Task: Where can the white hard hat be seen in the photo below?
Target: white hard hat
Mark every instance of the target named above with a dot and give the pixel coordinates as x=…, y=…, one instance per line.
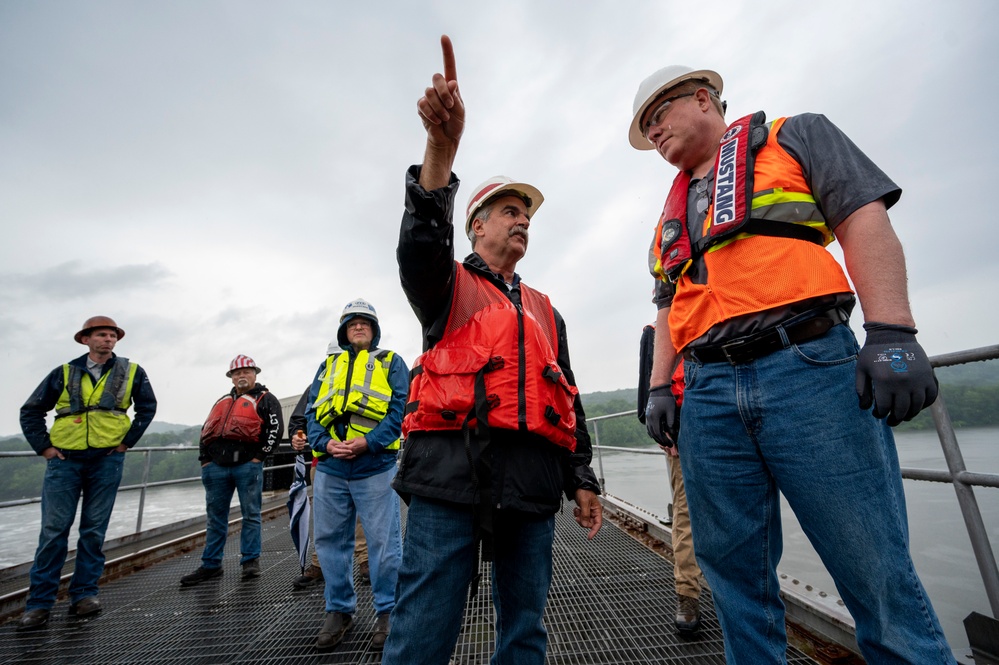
x=359, y=307
x=653, y=86
x=240, y=362
x=496, y=186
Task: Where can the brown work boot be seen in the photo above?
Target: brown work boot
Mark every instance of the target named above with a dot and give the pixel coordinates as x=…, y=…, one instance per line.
x=334, y=627
x=85, y=607
x=688, y=615
x=381, y=632
x=365, y=572
x=32, y=619
x=200, y=575
x=312, y=575
x=251, y=569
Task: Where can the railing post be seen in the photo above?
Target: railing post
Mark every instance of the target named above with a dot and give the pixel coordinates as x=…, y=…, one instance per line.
x=600, y=457
x=969, y=505
x=142, y=492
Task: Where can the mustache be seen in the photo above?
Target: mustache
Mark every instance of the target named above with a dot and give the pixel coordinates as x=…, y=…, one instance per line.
x=518, y=231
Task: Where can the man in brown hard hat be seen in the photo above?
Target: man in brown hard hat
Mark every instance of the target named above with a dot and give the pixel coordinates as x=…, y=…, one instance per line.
x=85, y=450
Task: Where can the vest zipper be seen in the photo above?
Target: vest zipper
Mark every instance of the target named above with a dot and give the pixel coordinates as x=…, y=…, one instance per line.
x=346, y=389
x=90, y=401
x=521, y=372
x=225, y=421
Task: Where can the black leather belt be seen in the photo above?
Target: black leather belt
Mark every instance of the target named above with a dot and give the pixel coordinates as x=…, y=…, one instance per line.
x=757, y=345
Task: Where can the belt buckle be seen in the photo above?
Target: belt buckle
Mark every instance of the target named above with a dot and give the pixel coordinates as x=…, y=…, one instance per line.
x=734, y=345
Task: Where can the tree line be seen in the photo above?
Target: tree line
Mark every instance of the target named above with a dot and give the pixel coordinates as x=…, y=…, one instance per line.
x=970, y=405
x=23, y=475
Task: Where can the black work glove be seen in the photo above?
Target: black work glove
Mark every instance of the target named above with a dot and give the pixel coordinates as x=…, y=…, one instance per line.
x=662, y=415
x=894, y=374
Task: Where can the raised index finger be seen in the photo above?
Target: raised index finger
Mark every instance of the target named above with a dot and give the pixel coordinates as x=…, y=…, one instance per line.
x=450, y=71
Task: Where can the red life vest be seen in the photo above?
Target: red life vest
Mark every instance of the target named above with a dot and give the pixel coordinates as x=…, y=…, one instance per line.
x=233, y=419
x=495, y=359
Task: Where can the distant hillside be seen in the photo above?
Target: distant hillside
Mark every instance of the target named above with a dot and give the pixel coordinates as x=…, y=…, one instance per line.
x=971, y=392
x=973, y=374
x=597, y=402
x=157, y=427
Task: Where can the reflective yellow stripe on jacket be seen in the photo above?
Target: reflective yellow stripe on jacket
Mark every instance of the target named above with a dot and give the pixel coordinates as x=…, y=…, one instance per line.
x=85, y=417
x=358, y=387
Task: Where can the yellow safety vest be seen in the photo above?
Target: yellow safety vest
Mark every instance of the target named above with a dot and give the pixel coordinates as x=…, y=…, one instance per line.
x=358, y=387
x=93, y=416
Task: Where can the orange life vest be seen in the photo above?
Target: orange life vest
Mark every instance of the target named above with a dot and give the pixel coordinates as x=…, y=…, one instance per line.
x=233, y=419
x=763, y=240
x=496, y=361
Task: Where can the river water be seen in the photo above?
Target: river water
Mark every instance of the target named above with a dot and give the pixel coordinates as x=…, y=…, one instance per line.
x=940, y=544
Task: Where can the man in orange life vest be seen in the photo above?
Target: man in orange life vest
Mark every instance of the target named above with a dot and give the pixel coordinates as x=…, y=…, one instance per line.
x=758, y=309
x=241, y=430
x=495, y=432
x=85, y=453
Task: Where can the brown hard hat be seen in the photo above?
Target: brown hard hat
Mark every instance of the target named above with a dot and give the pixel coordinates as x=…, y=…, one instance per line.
x=97, y=322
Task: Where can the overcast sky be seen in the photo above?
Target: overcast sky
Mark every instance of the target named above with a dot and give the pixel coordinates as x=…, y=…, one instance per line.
x=222, y=177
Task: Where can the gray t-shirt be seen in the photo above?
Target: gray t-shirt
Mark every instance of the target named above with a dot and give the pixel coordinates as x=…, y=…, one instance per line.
x=842, y=179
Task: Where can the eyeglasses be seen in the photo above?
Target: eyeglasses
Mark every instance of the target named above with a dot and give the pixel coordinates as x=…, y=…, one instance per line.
x=359, y=323
x=660, y=112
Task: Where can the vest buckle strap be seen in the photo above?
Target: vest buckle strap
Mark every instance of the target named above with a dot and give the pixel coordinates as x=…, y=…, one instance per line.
x=551, y=415
x=551, y=374
x=495, y=363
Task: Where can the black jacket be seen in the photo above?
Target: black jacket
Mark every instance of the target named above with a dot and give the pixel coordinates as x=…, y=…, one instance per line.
x=529, y=473
x=222, y=451
x=47, y=394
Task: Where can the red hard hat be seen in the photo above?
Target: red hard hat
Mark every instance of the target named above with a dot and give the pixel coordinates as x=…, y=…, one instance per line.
x=241, y=361
x=97, y=322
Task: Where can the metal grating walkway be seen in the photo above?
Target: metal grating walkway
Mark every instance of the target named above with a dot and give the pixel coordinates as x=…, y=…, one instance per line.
x=611, y=602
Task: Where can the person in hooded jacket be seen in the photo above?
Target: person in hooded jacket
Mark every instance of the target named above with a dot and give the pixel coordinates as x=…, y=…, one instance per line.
x=354, y=420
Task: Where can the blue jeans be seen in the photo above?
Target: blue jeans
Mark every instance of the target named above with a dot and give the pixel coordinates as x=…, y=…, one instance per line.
x=438, y=561
x=97, y=480
x=789, y=423
x=220, y=483
x=337, y=503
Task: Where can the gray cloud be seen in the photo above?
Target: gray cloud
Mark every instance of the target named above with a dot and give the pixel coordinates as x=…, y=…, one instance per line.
x=74, y=279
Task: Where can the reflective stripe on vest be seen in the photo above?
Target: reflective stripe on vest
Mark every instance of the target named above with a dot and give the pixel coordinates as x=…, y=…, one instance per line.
x=494, y=358
x=355, y=386
x=765, y=263
x=94, y=416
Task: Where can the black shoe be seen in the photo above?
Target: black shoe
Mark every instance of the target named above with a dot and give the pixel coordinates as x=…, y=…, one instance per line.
x=85, y=607
x=33, y=619
x=251, y=569
x=313, y=575
x=334, y=627
x=381, y=632
x=688, y=615
x=200, y=575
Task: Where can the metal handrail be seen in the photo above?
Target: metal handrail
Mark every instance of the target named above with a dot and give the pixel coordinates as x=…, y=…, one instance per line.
x=142, y=487
x=957, y=473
